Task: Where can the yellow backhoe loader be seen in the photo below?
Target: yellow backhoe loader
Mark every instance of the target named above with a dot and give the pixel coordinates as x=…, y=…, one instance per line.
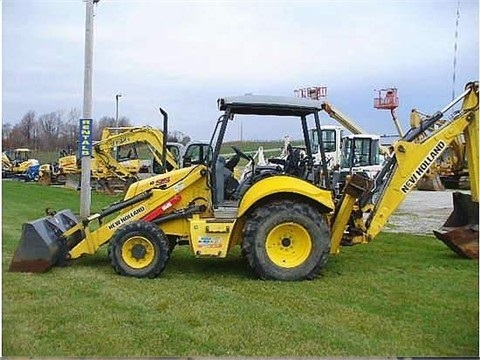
x=286, y=221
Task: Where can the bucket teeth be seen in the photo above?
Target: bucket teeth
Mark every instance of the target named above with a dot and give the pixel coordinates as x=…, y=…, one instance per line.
x=41, y=244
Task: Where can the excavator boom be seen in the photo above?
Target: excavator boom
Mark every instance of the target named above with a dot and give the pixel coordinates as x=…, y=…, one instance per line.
x=102, y=150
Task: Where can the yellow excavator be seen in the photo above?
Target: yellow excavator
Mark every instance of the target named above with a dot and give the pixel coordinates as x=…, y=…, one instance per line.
x=110, y=164
x=115, y=158
x=286, y=220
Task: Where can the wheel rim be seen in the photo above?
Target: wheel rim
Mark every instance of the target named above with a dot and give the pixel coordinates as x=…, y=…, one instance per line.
x=288, y=245
x=138, y=252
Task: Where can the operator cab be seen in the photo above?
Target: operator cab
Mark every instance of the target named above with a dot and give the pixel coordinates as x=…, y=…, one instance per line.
x=193, y=154
x=21, y=155
x=332, y=136
x=360, y=155
x=197, y=153
x=297, y=163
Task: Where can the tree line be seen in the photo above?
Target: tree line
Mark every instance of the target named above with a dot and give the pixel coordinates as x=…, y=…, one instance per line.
x=58, y=130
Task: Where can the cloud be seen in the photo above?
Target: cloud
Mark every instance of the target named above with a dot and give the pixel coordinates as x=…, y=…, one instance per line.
x=183, y=55
x=221, y=40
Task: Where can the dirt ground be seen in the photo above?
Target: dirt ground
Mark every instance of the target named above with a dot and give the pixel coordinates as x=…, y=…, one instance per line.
x=421, y=212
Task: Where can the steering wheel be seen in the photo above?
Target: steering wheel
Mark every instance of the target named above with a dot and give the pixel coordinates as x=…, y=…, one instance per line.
x=242, y=154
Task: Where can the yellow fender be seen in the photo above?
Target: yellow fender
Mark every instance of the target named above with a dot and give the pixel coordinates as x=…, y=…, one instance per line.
x=277, y=185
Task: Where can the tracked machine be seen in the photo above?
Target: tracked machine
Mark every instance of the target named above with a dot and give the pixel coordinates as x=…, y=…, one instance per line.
x=286, y=221
x=17, y=162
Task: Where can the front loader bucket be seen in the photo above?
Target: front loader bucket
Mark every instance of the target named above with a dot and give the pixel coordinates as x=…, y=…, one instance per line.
x=460, y=231
x=41, y=244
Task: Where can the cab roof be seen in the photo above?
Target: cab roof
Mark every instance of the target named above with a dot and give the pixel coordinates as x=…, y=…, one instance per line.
x=22, y=150
x=269, y=105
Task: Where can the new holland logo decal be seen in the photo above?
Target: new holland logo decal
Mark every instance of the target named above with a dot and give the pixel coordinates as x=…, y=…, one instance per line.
x=126, y=218
x=423, y=167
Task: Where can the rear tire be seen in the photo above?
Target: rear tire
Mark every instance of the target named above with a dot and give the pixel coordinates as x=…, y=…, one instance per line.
x=286, y=240
x=139, y=249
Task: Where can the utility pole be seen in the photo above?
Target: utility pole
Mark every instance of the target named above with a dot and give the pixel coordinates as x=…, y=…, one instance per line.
x=86, y=123
x=116, y=109
x=116, y=122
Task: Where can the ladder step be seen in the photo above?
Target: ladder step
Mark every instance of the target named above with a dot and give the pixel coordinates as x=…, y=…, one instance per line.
x=224, y=212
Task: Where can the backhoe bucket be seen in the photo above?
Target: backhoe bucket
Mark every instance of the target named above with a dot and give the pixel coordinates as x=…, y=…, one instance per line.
x=430, y=182
x=460, y=231
x=41, y=244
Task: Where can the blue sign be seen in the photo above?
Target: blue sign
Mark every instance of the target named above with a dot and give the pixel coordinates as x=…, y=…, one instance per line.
x=85, y=137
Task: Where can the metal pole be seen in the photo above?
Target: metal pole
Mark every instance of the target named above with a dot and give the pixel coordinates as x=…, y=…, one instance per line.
x=85, y=189
x=241, y=130
x=116, y=109
x=397, y=123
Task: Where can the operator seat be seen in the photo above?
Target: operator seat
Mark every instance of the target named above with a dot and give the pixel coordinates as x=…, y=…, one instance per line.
x=294, y=163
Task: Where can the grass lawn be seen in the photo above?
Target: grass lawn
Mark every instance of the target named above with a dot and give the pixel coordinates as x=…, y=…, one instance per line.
x=401, y=295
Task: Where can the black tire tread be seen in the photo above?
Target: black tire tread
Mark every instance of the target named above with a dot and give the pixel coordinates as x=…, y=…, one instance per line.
x=154, y=234
x=262, y=213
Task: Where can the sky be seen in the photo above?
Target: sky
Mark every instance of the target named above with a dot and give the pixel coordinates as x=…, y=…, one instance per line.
x=184, y=55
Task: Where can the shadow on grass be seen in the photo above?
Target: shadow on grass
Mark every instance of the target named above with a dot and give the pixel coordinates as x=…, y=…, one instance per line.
x=231, y=266
x=181, y=263
x=89, y=261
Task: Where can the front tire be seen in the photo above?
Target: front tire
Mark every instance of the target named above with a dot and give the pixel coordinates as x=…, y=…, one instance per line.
x=139, y=249
x=286, y=240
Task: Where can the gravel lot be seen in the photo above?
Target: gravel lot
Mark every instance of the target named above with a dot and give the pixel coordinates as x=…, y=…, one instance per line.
x=421, y=212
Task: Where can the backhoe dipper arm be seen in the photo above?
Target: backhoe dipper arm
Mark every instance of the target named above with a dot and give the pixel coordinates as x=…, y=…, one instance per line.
x=412, y=160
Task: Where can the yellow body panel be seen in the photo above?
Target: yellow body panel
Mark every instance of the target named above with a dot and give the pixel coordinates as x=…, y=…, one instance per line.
x=68, y=164
x=6, y=163
x=339, y=226
x=210, y=238
x=277, y=185
x=189, y=183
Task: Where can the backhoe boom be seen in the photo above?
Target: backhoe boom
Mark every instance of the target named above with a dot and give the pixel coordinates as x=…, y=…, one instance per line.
x=412, y=160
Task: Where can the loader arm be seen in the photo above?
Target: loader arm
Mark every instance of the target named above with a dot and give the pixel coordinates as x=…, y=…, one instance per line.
x=411, y=161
